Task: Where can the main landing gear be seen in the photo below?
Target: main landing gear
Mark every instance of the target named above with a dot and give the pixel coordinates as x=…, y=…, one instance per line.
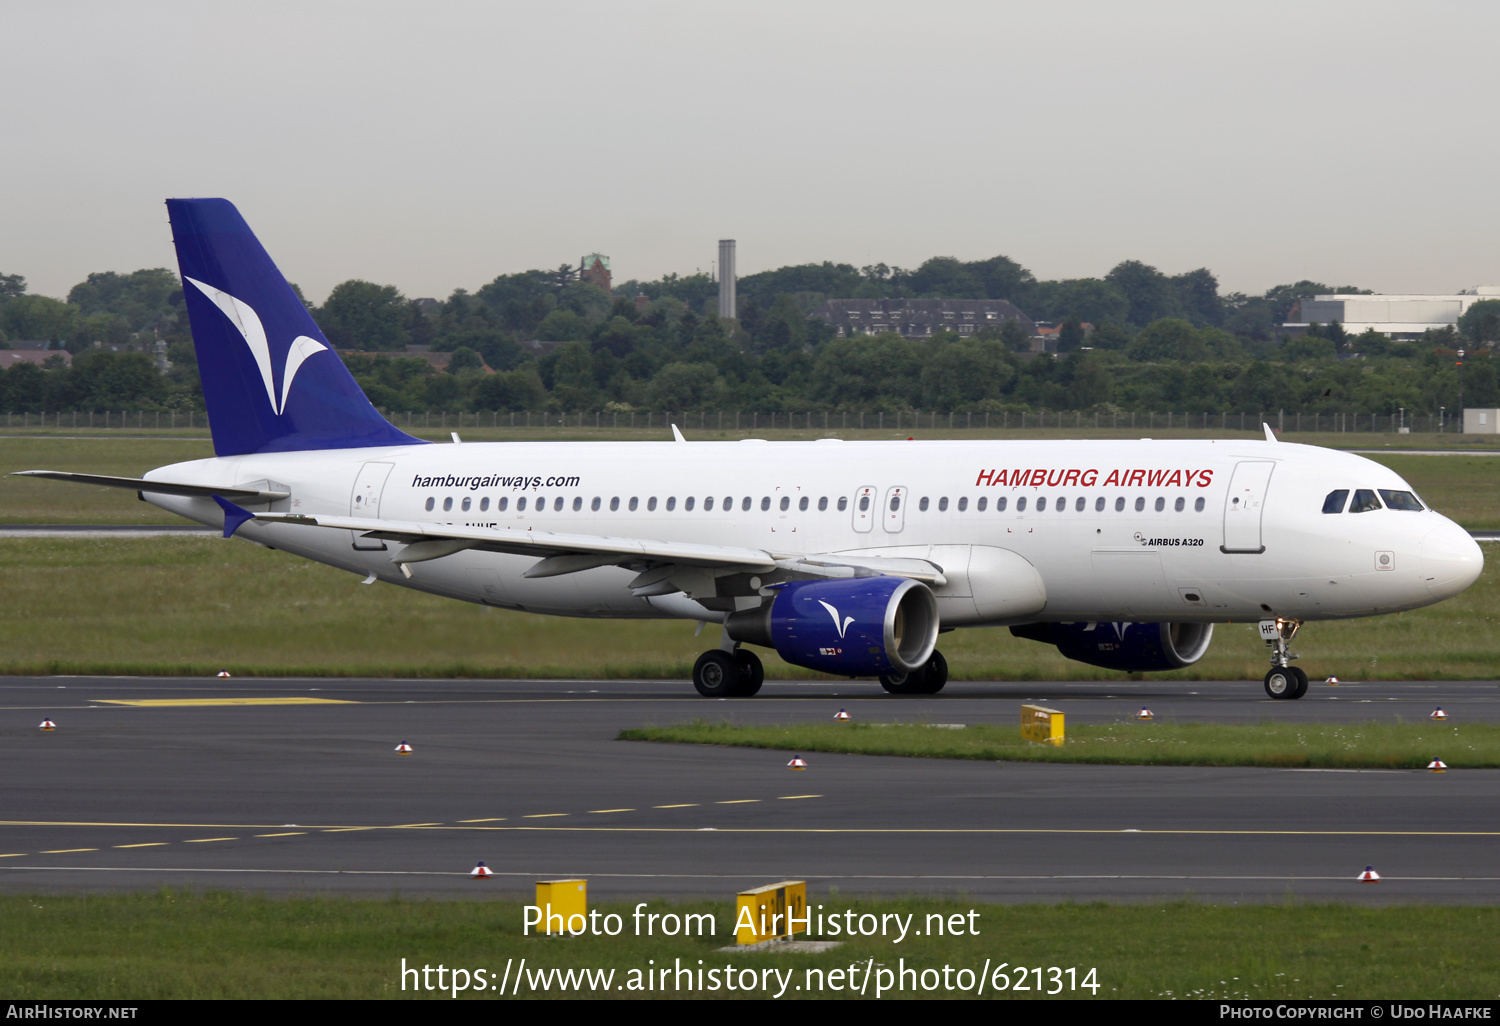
x=929, y=680
x=721, y=674
x=1284, y=680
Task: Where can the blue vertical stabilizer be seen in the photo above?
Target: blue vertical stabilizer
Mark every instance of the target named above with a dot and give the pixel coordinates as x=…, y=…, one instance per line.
x=271, y=381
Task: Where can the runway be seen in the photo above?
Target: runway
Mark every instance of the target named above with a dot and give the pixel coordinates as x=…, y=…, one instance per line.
x=294, y=786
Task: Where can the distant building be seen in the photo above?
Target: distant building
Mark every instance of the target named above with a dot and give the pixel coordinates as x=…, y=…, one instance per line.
x=1400, y=317
x=594, y=269
x=727, y=305
x=919, y=318
x=10, y=357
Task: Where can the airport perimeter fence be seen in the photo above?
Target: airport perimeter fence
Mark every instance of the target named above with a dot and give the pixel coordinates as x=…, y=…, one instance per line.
x=842, y=420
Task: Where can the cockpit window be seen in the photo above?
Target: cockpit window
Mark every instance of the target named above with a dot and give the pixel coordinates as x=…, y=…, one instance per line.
x=1364, y=501
x=1399, y=500
x=1335, y=501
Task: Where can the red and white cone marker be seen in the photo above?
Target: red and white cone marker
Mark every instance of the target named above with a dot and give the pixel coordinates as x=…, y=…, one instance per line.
x=1437, y=766
x=47, y=724
x=406, y=748
x=1438, y=714
x=841, y=715
x=1332, y=682
x=1145, y=714
x=223, y=673
x=797, y=763
x=1369, y=875
x=480, y=872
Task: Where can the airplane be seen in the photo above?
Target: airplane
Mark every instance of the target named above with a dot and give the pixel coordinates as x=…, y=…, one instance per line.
x=849, y=558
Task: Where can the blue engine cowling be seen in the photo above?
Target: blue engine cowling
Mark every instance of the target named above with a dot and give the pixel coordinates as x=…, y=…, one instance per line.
x=1132, y=647
x=859, y=627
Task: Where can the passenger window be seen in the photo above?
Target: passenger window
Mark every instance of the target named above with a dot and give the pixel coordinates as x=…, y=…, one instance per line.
x=745, y=504
x=943, y=504
x=802, y=504
x=1400, y=500
x=484, y=503
x=501, y=503
x=1060, y=504
x=963, y=503
x=431, y=502
x=447, y=504
x=895, y=503
x=541, y=505
x=557, y=504
x=578, y=504
x=1334, y=503
x=1198, y=504
x=1021, y=504
x=822, y=503
x=1099, y=504
x=921, y=505
x=1364, y=501
x=981, y=504
x=786, y=503
x=690, y=501
x=765, y=503
x=465, y=504
x=1041, y=504
x=634, y=503
x=1161, y=503
x=708, y=504
x=671, y=503
x=614, y=504
x=1001, y=503
x=595, y=504
x=1181, y=502
x=521, y=504
x=1140, y=503
x=1079, y=504
x=843, y=503
x=1120, y=504
x=651, y=504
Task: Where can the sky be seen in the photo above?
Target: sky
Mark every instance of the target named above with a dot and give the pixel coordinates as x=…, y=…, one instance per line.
x=434, y=146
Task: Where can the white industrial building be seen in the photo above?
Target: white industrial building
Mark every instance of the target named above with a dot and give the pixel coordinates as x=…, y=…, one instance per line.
x=1400, y=317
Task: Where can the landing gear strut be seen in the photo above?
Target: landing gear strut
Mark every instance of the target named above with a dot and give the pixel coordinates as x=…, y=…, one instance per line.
x=929, y=680
x=1284, y=680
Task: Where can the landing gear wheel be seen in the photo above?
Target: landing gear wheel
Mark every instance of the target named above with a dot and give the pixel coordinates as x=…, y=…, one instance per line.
x=752, y=672
x=912, y=683
x=1281, y=682
x=1301, y=676
x=717, y=674
x=935, y=674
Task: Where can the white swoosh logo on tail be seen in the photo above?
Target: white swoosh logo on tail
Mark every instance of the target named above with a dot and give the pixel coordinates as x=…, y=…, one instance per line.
x=244, y=318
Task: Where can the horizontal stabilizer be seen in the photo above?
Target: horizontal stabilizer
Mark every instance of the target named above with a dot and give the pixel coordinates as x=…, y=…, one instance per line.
x=140, y=484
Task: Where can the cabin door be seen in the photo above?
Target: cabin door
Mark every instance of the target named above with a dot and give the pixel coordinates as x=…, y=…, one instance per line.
x=1244, y=504
x=365, y=502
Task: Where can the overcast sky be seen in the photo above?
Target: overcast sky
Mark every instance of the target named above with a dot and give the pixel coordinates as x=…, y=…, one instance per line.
x=435, y=145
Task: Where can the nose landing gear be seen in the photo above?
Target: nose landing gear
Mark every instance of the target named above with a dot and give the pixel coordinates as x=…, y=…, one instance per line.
x=1284, y=680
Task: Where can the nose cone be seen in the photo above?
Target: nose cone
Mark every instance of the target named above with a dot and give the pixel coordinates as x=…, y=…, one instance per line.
x=1451, y=560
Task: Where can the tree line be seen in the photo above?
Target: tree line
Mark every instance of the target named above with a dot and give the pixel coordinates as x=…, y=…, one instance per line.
x=543, y=340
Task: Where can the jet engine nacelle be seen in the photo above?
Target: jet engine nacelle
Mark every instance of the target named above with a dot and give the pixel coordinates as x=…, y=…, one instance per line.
x=1132, y=647
x=860, y=627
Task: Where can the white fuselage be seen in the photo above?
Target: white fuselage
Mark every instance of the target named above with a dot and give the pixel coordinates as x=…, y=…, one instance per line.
x=1142, y=530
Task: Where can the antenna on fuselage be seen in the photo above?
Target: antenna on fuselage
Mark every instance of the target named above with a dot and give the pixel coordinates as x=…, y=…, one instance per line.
x=677, y=435
x=1270, y=435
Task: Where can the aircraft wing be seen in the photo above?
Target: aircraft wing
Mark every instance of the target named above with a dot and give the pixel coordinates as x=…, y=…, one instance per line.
x=666, y=566
x=140, y=484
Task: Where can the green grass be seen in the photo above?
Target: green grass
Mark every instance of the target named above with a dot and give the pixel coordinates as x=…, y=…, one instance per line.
x=220, y=945
x=1283, y=745
x=196, y=605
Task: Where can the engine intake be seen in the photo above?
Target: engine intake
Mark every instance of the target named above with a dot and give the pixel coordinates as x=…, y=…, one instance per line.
x=1133, y=647
x=864, y=627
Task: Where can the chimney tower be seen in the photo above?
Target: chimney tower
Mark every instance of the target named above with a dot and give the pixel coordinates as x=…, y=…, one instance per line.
x=726, y=279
